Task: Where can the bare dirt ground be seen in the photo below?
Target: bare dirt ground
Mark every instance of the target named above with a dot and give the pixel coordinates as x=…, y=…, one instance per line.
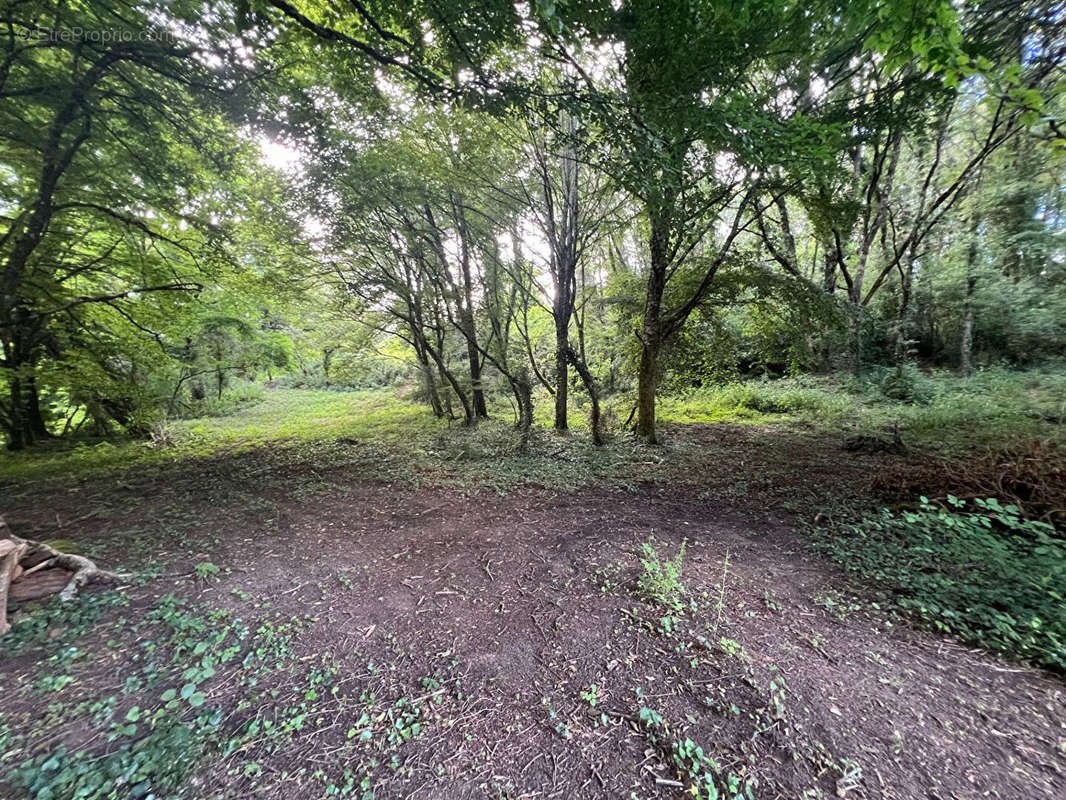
x=509, y=627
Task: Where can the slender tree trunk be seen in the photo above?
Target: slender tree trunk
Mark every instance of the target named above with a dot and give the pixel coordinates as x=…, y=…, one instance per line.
x=565, y=243
x=446, y=396
x=855, y=337
x=327, y=361
x=523, y=391
x=651, y=338
x=562, y=345
x=430, y=387
x=469, y=414
x=594, y=395
x=905, y=327
x=829, y=272
x=466, y=313
x=430, y=383
x=474, y=358
x=966, y=349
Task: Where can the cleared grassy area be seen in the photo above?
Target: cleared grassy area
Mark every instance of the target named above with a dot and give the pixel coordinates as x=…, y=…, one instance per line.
x=377, y=434
x=285, y=418
x=391, y=437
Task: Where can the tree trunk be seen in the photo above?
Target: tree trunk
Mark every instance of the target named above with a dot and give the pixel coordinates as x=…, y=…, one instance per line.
x=562, y=345
x=594, y=395
x=651, y=344
x=466, y=313
x=18, y=438
x=646, y=379
x=327, y=361
x=651, y=338
x=25, y=425
x=430, y=386
x=565, y=245
x=523, y=391
x=474, y=357
x=855, y=339
x=34, y=417
x=905, y=327
x=966, y=349
x=469, y=414
x=425, y=368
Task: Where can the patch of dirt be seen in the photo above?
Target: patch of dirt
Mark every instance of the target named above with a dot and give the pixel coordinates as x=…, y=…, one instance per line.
x=531, y=601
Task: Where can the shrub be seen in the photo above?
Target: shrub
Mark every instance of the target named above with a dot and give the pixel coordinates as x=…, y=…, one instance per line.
x=905, y=384
x=660, y=581
x=984, y=573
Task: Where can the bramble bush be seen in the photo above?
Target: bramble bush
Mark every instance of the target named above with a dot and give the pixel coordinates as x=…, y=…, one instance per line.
x=983, y=573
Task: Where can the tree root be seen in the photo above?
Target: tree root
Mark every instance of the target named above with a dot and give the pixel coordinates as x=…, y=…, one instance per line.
x=21, y=557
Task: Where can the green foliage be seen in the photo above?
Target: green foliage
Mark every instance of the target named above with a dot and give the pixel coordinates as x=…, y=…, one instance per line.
x=206, y=570
x=752, y=400
x=660, y=580
x=703, y=776
x=905, y=384
x=983, y=573
x=938, y=411
x=155, y=765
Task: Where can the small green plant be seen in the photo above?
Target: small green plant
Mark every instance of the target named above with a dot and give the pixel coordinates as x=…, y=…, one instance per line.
x=703, y=775
x=660, y=580
x=206, y=570
x=719, y=605
x=590, y=695
x=769, y=599
x=837, y=604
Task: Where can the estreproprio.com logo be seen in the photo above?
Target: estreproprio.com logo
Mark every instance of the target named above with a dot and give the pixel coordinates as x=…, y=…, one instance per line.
x=99, y=35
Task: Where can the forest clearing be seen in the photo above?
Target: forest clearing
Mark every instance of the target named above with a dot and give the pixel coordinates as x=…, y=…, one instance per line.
x=321, y=563
x=520, y=399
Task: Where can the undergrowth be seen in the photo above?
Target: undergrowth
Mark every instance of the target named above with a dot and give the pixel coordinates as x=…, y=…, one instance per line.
x=978, y=571
x=202, y=690
x=934, y=411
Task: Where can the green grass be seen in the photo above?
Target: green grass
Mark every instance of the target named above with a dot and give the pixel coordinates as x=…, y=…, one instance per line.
x=285, y=418
x=393, y=438
x=945, y=413
x=376, y=434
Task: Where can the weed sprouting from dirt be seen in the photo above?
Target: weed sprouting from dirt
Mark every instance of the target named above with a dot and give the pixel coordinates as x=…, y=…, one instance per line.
x=660, y=581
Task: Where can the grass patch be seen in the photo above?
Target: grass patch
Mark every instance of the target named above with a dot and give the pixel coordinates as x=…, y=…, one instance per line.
x=372, y=434
x=982, y=573
x=937, y=411
x=379, y=434
x=286, y=417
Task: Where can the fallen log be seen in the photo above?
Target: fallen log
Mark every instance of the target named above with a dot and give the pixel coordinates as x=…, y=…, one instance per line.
x=21, y=558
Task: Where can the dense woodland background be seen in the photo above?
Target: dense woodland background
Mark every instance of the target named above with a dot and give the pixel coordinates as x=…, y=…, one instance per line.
x=571, y=206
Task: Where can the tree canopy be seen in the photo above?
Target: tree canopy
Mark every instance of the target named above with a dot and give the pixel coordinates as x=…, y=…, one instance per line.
x=499, y=200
